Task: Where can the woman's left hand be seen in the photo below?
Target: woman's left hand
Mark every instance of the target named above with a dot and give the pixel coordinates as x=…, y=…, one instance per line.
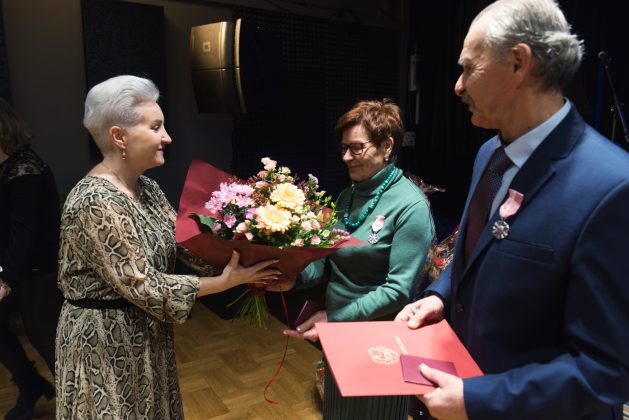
x=307, y=330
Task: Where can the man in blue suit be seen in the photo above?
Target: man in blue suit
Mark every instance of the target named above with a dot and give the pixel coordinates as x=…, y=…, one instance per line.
x=539, y=293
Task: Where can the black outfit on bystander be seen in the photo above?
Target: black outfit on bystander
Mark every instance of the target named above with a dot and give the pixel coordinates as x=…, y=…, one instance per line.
x=29, y=242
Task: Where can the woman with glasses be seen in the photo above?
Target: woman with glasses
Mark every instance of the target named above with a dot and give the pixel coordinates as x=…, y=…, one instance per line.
x=372, y=281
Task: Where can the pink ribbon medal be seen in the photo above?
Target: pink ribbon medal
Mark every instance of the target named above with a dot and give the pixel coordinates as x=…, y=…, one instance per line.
x=375, y=228
x=512, y=204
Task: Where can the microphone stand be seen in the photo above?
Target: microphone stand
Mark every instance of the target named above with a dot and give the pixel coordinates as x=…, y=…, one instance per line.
x=618, y=114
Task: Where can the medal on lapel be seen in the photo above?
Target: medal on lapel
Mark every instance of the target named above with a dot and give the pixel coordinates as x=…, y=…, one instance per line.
x=500, y=229
x=375, y=228
x=512, y=204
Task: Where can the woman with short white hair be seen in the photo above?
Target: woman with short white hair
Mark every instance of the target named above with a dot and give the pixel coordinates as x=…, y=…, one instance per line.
x=115, y=349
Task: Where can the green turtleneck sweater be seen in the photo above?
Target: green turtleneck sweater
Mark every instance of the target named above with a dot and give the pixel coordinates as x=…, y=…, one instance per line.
x=373, y=281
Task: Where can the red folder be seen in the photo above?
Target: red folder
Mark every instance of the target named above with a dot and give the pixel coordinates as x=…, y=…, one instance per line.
x=364, y=357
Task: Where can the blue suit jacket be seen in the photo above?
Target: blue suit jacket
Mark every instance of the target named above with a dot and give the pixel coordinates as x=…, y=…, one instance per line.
x=545, y=312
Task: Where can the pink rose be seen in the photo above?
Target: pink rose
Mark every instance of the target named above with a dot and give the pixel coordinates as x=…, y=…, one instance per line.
x=269, y=164
x=242, y=228
x=249, y=213
x=229, y=220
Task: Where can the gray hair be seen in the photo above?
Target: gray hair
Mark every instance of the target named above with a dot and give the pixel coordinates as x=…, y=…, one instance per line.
x=114, y=102
x=541, y=25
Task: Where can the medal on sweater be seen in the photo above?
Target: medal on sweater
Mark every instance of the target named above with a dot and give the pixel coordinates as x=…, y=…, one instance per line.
x=512, y=204
x=375, y=228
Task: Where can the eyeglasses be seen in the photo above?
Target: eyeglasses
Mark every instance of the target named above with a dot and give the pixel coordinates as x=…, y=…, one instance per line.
x=355, y=149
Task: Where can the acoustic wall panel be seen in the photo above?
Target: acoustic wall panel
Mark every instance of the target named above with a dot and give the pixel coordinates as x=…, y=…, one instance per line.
x=123, y=38
x=325, y=66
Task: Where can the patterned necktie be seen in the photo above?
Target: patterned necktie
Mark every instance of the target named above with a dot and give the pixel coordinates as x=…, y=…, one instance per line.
x=483, y=198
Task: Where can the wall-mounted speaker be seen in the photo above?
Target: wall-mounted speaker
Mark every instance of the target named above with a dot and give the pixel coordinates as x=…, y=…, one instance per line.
x=234, y=66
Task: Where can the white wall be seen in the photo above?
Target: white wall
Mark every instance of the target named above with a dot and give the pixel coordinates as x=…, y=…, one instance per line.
x=45, y=54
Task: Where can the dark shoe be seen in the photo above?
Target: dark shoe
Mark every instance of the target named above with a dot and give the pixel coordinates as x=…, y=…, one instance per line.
x=32, y=387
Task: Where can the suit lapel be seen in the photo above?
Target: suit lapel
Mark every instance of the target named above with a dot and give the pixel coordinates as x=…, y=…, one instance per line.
x=534, y=174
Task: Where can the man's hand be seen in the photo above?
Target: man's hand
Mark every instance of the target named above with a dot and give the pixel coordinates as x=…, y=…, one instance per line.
x=307, y=330
x=424, y=311
x=446, y=401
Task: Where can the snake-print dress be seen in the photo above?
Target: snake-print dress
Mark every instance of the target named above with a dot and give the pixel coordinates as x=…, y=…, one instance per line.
x=119, y=363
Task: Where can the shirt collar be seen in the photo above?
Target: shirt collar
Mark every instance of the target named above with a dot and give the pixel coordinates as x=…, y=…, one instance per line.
x=523, y=147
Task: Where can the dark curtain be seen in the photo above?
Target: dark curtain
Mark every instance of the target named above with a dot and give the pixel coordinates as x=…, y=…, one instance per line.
x=446, y=140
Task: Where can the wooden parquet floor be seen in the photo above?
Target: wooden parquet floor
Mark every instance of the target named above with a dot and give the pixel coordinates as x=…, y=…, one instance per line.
x=223, y=368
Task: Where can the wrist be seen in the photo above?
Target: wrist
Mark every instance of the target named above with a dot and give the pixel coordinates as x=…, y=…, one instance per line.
x=212, y=284
x=429, y=293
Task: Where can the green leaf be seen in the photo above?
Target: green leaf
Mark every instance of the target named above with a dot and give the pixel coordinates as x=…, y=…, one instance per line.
x=205, y=220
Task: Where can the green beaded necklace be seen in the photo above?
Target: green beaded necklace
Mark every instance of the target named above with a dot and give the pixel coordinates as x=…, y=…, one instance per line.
x=351, y=226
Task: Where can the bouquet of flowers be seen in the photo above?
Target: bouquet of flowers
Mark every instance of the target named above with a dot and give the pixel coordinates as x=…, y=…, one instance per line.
x=271, y=208
x=269, y=215
x=440, y=255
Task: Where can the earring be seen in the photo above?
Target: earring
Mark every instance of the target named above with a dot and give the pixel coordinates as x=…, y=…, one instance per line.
x=124, y=155
x=386, y=159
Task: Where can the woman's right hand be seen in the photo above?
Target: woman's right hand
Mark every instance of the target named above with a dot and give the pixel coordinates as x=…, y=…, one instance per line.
x=235, y=274
x=308, y=330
